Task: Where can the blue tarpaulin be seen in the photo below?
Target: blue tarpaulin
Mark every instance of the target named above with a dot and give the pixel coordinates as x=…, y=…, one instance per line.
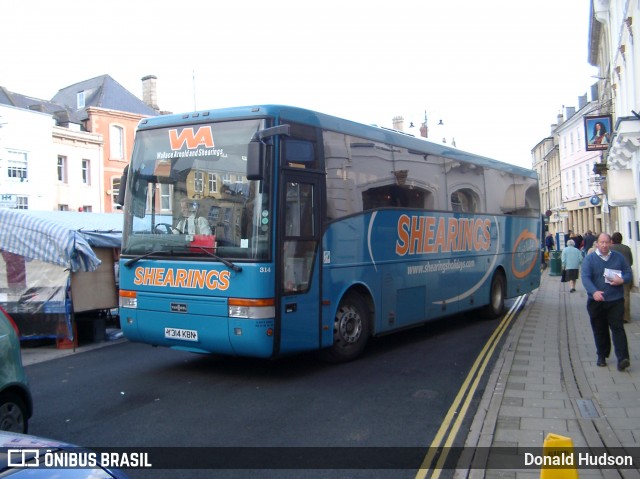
x=64, y=238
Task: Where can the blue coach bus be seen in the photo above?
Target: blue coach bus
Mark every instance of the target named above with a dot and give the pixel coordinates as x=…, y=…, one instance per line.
x=315, y=233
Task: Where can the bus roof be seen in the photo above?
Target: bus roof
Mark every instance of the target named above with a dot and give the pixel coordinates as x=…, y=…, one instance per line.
x=328, y=122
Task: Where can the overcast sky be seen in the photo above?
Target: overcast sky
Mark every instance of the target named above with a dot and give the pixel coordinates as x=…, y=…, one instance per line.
x=497, y=72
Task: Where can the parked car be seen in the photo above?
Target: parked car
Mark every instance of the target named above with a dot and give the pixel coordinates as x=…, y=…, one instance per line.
x=16, y=406
x=25, y=456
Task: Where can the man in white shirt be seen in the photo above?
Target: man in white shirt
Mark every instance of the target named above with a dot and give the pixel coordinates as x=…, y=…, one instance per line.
x=190, y=224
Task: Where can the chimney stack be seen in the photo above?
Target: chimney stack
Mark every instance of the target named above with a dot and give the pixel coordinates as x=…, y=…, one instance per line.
x=149, y=91
x=398, y=123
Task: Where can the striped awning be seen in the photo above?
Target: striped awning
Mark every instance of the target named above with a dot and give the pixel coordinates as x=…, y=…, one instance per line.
x=51, y=239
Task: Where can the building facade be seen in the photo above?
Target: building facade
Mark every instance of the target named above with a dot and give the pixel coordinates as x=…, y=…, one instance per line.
x=546, y=162
x=69, y=153
x=77, y=170
x=614, y=50
x=582, y=195
x=25, y=152
x=118, y=129
x=44, y=166
x=102, y=106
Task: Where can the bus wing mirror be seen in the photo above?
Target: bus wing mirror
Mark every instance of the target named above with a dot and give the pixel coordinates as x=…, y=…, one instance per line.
x=255, y=159
x=257, y=150
x=123, y=186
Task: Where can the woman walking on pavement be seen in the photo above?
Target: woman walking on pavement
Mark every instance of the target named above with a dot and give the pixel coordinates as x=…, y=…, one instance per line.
x=571, y=260
x=603, y=274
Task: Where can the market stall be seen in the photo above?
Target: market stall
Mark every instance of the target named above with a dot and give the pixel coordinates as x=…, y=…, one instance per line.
x=54, y=264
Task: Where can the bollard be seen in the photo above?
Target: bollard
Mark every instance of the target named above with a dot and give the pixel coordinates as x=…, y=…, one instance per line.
x=558, y=452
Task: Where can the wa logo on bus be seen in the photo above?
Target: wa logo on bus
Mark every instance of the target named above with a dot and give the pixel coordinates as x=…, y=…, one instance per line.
x=192, y=139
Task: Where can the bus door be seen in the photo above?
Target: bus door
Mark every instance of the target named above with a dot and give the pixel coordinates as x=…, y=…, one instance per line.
x=299, y=262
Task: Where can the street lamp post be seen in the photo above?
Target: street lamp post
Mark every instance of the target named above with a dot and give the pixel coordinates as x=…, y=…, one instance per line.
x=424, y=128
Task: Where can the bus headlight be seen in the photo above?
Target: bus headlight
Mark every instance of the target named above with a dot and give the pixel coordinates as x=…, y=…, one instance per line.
x=128, y=299
x=252, y=308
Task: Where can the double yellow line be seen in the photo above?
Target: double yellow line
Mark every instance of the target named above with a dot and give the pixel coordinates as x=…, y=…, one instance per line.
x=445, y=436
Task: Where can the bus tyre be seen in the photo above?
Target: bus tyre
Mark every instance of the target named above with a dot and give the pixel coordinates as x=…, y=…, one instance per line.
x=351, y=330
x=13, y=413
x=496, y=297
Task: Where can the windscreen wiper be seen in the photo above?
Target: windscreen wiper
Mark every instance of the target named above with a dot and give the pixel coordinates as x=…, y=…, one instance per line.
x=225, y=262
x=133, y=261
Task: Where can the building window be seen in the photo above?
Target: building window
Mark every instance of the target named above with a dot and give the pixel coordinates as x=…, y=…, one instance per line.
x=580, y=177
x=116, y=142
x=213, y=183
x=115, y=186
x=86, y=172
x=198, y=182
x=579, y=140
x=17, y=166
x=571, y=142
x=63, y=207
x=22, y=203
x=62, y=169
x=226, y=182
x=464, y=201
x=86, y=208
x=80, y=99
x=165, y=197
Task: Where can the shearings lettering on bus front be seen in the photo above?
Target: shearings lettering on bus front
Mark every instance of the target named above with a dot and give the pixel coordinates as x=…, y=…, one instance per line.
x=182, y=278
x=432, y=234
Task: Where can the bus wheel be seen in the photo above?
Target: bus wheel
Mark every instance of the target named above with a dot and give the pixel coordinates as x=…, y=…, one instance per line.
x=497, y=294
x=351, y=329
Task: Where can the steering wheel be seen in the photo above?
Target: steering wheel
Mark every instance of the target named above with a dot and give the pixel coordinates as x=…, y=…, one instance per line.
x=163, y=228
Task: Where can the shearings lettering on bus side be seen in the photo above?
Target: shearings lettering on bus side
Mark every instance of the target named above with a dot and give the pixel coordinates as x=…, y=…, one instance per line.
x=432, y=234
x=182, y=278
x=440, y=267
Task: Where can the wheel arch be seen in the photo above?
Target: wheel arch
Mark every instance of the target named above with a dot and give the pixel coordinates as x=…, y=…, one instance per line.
x=23, y=393
x=495, y=305
x=365, y=293
x=500, y=270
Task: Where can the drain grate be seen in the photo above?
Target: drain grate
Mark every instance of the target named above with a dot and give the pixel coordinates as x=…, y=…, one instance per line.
x=587, y=409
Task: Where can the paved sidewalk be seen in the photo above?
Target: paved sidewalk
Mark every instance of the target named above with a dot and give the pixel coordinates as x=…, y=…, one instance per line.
x=546, y=381
x=39, y=354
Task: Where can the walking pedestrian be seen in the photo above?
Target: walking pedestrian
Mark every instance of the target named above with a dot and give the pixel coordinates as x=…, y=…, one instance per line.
x=616, y=245
x=589, y=239
x=571, y=259
x=549, y=242
x=603, y=274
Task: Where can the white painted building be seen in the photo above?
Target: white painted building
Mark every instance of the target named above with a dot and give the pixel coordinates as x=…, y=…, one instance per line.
x=26, y=150
x=46, y=167
x=78, y=158
x=581, y=195
x=614, y=47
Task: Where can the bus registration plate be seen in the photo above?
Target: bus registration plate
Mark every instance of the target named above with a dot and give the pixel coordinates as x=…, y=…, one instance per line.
x=184, y=334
